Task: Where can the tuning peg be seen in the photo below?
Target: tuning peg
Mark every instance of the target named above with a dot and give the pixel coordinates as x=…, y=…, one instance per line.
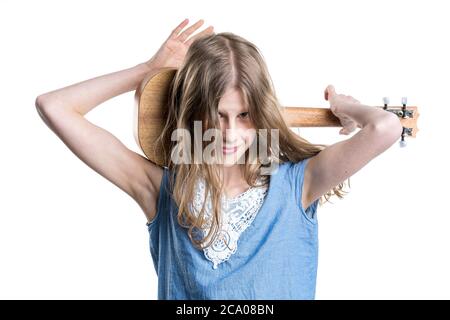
x=386, y=102
x=402, y=141
x=404, y=101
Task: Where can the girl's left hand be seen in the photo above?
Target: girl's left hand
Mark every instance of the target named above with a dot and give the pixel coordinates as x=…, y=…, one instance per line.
x=174, y=49
x=338, y=103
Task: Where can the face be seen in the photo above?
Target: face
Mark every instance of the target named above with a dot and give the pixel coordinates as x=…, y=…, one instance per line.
x=235, y=124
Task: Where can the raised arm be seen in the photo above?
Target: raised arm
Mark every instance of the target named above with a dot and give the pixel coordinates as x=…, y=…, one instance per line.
x=64, y=111
x=336, y=163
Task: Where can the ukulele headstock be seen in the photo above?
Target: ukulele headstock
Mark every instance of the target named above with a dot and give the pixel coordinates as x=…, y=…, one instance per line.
x=408, y=117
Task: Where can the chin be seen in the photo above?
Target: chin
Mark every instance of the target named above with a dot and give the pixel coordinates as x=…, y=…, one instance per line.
x=229, y=164
x=232, y=160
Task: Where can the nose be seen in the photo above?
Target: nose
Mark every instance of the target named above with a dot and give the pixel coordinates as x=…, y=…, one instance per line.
x=229, y=132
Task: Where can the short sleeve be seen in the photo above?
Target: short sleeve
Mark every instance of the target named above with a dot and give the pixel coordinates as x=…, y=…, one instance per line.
x=298, y=174
x=161, y=202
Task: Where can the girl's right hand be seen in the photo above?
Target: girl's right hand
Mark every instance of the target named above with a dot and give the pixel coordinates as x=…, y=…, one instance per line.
x=338, y=103
x=173, y=50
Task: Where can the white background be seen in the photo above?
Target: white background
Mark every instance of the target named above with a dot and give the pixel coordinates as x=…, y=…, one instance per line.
x=68, y=233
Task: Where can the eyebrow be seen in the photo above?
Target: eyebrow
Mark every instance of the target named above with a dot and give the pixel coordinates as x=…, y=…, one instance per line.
x=242, y=111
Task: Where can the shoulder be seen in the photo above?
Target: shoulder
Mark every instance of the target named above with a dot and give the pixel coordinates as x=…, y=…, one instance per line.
x=300, y=174
x=307, y=181
x=295, y=169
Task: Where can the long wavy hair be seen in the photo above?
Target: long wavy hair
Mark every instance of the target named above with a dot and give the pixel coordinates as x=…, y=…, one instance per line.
x=213, y=64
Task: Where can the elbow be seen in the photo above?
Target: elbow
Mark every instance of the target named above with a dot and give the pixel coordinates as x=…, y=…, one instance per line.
x=390, y=124
x=41, y=108
x=47, y=104
x=41, y=103
x=388, y=128
x=47, y=110
x=42, y=100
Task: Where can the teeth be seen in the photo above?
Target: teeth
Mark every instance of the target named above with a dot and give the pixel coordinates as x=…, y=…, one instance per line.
x=229, y=150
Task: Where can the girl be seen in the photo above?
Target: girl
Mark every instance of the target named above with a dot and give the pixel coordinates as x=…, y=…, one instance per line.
x=228, y=230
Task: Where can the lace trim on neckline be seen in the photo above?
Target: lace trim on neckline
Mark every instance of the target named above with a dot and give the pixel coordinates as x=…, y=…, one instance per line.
x=237, y=215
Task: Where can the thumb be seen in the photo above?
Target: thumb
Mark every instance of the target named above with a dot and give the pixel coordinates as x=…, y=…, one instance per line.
x=329, y=91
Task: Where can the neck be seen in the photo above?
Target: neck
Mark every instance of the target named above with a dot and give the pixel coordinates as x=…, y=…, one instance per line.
x=233, y=176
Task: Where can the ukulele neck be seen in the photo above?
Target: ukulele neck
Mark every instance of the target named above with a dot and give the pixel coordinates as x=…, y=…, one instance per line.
x=324, y=117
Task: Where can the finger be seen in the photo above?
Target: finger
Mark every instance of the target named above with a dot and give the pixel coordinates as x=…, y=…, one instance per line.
x=329, y=91
x=185, y=34
x=350, y=128
x=207, y=31
x=178, y=29
x=346, y=130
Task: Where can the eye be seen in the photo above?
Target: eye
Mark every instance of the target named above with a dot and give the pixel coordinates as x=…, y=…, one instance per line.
x=244, y=115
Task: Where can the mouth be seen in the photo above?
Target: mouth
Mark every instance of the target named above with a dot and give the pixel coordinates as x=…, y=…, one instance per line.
x=229, y=150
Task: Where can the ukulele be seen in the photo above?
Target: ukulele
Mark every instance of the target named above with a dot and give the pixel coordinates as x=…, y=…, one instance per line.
x=151, y=105
x=324, y=117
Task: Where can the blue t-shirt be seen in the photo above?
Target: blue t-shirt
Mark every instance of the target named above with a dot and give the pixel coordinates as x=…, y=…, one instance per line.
x=276, y=256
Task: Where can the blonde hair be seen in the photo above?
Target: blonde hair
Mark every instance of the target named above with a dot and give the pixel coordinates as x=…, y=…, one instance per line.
x=213, y=64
